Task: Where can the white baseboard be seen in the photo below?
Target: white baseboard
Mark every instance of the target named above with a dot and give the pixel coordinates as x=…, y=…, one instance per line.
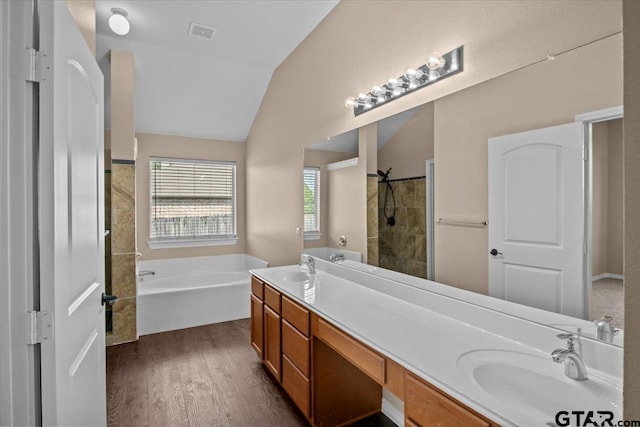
x=607, y=276
x=394, y=413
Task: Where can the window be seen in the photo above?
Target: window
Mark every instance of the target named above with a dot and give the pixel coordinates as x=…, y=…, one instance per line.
x=312, y=203
x=192, y=202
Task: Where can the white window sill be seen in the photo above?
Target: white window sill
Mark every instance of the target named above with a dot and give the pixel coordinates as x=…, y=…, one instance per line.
x=312, y=236
x=165, y=244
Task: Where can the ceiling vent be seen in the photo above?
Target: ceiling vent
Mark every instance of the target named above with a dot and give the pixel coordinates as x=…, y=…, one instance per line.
x=202, y=31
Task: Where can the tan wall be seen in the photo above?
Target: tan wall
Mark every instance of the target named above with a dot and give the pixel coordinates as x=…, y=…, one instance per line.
x=348, y=200
x=516, y=102
x=151, y=145
x=615, y=235
x=600, y=192
x=122, y=105
x=320, y=159
x=84, y=13
x=336, y=60
x=408, y=150
x=631, y=150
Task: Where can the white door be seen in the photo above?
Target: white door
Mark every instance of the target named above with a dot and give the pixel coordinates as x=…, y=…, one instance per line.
x=536, y=218
x=71, y=215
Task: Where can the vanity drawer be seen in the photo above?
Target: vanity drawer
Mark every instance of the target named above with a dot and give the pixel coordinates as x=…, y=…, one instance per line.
x=295, y=315
x=362, y=357
x=296, y=347
x=272, y=298
x=257, y=288
x=297, y=386
x=425, y=406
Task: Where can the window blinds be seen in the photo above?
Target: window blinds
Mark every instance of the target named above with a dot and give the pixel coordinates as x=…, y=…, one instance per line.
x=192, y=199
x=311, y=200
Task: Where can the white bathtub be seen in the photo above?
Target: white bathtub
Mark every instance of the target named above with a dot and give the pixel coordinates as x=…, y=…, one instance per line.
x=187, y=292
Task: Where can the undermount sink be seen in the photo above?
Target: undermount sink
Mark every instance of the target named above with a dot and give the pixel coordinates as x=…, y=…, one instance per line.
x=295, y=276
x=535, y=387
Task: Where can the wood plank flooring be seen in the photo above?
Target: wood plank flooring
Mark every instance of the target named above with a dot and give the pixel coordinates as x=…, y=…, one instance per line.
x=204, y=376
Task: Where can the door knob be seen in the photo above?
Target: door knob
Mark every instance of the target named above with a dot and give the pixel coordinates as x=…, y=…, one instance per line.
x=495, y=252
x=111, y=299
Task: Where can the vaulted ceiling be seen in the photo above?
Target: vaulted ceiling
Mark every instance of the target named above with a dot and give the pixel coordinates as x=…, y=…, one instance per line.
x=196, y=87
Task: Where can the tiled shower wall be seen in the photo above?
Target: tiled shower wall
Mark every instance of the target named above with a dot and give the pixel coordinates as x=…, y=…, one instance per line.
x=403, y=247
x=123, y=251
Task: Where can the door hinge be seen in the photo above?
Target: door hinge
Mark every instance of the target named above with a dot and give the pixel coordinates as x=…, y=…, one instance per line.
x=39, y=67
x=40, y=327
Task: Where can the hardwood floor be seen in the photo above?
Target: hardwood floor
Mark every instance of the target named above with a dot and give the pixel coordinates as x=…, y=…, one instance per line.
x=204, y=376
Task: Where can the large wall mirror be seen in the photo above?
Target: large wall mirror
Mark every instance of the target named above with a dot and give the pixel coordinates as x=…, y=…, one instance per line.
x=506, y=194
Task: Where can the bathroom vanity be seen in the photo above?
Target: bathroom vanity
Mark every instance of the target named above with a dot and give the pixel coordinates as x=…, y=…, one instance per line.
x=334, y=339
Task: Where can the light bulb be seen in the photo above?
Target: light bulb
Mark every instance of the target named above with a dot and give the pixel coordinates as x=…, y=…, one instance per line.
x=368, y=104
x=118, y=22
x=410, y=74
x=392, y=83
x=377, y=90
x=350, y=102
x=435, y=61
x=397, y=91
x=362, y=96
x=433, y=75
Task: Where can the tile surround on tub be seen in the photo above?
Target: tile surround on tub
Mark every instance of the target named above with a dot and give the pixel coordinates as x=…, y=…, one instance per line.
x=123, y=249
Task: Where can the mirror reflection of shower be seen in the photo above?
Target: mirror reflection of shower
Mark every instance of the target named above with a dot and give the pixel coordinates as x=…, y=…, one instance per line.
x=389, y=208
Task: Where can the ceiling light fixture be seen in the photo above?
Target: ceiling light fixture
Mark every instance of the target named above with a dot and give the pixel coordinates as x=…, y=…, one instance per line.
x=118, y=21
x=436, y=68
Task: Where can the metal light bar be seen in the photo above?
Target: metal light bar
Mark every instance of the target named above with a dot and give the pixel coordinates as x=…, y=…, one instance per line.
x=427, y=74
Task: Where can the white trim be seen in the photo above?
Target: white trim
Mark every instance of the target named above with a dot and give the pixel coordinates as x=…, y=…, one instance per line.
x=587, y=120
x=601, y=115
x=312, y=235
x=607, y=276
x=394, y=413
x=179, y=243
x=19, y=393
x=430, y=212
x=343, y=164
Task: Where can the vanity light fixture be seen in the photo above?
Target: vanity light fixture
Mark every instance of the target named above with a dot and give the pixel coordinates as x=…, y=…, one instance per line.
x=118, y=21
x=436, y=68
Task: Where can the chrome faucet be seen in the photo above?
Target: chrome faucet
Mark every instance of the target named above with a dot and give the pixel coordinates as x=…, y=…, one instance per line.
x=604, y=330
x=146, y=273
x=571, y=357
x=335, y=257
x=310, y=263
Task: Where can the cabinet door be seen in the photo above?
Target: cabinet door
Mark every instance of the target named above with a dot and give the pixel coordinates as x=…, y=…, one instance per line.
x=272, y=347
x=426, y=407
x=257, y=328
x=296, y=347
x=297, y=385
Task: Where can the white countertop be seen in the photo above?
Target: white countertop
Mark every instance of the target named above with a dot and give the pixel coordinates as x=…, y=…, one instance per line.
x=426, y=341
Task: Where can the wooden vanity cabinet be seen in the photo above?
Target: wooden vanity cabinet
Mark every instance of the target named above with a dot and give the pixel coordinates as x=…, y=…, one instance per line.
x=272, y=332
x=425, y=406
x=296, y=354
x=257, y=316
x=335, y=379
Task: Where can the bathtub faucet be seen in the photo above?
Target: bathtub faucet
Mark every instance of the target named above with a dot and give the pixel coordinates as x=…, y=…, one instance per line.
x=146, y=273
x=310, y=263
x=335, y=257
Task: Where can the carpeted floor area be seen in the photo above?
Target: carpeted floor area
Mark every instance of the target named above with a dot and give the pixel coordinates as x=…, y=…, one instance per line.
x=607, y=298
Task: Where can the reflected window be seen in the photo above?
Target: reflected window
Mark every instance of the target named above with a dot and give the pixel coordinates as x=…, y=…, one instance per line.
x=311, y=202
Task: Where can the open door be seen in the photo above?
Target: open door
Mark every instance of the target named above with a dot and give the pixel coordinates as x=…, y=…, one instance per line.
x=536, y=218
x=70, y=209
